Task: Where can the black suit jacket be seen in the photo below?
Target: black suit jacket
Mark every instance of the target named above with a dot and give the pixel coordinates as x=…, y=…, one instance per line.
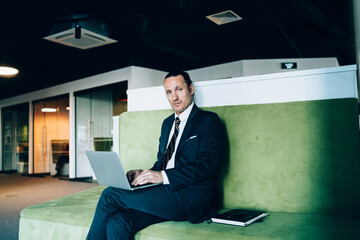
x=197, y=161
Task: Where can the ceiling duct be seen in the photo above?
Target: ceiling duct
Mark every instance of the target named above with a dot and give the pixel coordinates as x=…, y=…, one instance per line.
x=79, y=32
x=224, y=17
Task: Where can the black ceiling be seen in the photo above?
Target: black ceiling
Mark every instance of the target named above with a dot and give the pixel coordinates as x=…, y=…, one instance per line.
x=168, y=34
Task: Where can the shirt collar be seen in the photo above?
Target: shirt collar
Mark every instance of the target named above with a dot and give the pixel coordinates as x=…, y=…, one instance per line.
x=185, y=114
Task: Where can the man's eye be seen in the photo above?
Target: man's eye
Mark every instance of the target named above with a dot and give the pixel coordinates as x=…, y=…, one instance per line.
x=180, y=89
x=168, y=92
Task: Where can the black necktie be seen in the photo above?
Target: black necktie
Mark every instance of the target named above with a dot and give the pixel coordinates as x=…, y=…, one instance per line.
x=170, y=149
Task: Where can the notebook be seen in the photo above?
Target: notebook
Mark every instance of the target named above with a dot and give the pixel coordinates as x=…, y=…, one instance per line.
x=239, y=217
x=110, y=172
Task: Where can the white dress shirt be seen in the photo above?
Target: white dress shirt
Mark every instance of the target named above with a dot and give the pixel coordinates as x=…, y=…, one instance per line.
x=183, y=119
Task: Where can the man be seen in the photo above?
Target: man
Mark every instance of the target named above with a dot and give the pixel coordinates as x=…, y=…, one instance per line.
x=190, y=152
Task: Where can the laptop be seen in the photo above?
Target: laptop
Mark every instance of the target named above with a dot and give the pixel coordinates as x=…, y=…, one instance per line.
x=110, y=172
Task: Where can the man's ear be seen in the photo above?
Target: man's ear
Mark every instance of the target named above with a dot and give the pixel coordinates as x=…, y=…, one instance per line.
x=191, y=89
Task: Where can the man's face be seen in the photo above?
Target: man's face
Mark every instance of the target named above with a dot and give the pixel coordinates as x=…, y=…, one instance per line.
x=178, y=93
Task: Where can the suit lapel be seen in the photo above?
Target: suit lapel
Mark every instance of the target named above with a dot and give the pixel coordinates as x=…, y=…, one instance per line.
x=187, y=130
x=169, y=122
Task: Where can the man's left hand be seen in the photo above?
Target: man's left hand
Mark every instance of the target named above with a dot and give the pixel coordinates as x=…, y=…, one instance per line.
x=148, y=176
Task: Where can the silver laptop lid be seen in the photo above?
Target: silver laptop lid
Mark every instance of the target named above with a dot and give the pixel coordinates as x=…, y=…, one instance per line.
x=109, y=170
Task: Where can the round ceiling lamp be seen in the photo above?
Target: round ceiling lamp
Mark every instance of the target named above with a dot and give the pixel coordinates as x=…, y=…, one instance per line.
x=8, y=71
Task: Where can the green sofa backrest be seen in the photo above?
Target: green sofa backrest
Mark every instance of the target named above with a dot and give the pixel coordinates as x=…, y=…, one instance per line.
x=285, y=157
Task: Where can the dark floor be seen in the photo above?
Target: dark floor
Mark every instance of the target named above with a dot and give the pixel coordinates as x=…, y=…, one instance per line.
x=18, y=192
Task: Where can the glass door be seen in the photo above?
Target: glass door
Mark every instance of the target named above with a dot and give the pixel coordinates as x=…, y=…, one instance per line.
x=93, y=127
x=95, y=109
x=51, y=136
x=15, y=142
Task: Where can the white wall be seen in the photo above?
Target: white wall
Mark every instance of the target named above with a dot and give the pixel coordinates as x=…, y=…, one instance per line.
x=85, y=83
x=257, y=67
x=305, y=85
x=144, y=84
x=139, y=77
x=144, y=77
x=221, y=71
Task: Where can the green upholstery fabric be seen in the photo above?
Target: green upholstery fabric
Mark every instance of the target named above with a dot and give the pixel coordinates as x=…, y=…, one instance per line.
x=75, y=209
x=63, y=218
x=293, y=157
x=33, y=229
x=286, y=157
x=299, y=161
x=139, y=137
x=285, y=226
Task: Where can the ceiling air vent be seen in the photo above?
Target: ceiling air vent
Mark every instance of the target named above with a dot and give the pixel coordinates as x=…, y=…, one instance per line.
x=87, y=40
x=224, y=17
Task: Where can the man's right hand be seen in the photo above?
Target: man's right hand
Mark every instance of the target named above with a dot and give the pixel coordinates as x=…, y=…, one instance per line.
x=132, y=174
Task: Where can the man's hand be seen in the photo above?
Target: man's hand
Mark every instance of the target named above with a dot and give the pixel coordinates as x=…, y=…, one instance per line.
x=148, y=176
x=132, y=174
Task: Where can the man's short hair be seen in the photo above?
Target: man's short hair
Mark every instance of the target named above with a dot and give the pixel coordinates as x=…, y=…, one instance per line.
x=185, y=75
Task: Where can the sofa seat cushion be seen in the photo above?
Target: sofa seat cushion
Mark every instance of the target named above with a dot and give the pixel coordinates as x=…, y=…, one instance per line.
x=284, y=226
x=70, y=218
x=76, y=209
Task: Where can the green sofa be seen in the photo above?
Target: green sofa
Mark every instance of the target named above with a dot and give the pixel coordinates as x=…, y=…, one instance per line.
x=298, y=161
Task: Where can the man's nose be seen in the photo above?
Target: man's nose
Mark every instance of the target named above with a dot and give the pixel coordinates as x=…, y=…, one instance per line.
x=175, y=96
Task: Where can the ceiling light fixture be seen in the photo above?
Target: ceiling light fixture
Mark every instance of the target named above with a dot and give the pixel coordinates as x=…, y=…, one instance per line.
x=224, y=17
x=8, y=71
x=48, y=109
x=80, y=31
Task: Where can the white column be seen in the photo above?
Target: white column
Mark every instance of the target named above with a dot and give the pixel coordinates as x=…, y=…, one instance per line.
x=116, y=135
x=1, y=139
x=357, y=35
x=72, y=136
x=31, y=139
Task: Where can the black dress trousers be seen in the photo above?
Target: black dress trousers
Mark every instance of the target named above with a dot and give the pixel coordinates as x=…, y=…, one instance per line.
x=121, y=213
